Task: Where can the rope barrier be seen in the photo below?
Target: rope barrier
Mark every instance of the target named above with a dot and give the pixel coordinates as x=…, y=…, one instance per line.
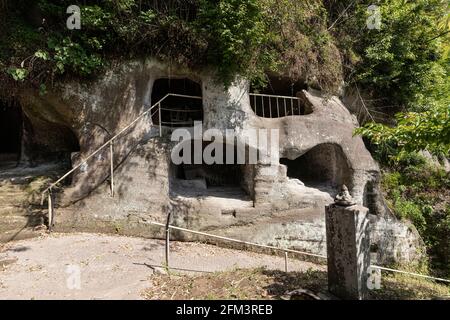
x=410, y=273
x=289, y=250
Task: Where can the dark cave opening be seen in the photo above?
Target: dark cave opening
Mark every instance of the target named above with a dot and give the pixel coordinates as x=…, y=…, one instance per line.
x=323, y=167
x=278, y=98
x=282, y=86
x=219, y=179
x=177, y=111
x=10, y=131
x=28, y=141
x=46, y=142
x=214, y=175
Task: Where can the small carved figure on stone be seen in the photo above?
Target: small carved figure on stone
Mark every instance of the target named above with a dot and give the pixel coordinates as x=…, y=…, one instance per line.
x=343, y=198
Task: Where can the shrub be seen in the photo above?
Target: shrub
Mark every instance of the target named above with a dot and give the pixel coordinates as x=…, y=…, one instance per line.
x=420, y=192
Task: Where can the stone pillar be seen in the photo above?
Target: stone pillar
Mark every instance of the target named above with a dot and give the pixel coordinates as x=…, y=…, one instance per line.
x=348, y=250
x=265, y=178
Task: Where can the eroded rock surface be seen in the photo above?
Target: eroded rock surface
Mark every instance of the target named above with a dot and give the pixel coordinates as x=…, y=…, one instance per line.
x=276, y=203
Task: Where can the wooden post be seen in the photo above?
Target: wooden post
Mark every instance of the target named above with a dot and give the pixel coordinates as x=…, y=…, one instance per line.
x=167, y=246
x=111, y=157
x=50, y=211
x=285, y=261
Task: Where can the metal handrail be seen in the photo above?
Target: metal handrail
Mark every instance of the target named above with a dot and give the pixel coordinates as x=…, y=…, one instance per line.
x=273, y=96
x=111, y=140
x=288, y=104
x=238, y=241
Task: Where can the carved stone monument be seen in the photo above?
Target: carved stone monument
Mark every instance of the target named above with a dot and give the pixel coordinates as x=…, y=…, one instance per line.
x=348, y=247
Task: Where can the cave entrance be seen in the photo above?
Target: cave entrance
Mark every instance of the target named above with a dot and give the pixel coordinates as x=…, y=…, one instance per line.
x=324, y=167
x=177, y=111
x=218, y=180
x=10, y=132
x=278, y=98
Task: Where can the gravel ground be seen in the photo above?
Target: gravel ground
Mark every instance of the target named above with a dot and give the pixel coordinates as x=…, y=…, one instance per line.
x=111, y=267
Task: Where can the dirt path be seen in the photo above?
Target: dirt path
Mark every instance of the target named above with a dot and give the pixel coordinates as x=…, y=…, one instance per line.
x=110, y=267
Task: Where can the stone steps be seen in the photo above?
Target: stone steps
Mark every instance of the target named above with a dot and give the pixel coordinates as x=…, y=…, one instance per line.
x=20, y=234
x=18, y=220
x=20, y=227
x=13, y=223
x=9, y=210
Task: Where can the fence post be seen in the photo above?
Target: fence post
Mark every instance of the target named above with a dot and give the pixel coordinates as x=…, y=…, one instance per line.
x=285, y=261
x=50, y=211
x=111, y=151
x=167, y=246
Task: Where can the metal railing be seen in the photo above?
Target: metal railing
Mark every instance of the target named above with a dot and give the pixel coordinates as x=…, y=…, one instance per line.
x=274, y=106
x=174, y=116
x=110, y=143
x=168, y=227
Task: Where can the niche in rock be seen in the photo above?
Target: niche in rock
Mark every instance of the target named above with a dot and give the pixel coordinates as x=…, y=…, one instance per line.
x=45, y=141
x=223, y=180
x=324, y=167
x=278, y=98
x=180, y=109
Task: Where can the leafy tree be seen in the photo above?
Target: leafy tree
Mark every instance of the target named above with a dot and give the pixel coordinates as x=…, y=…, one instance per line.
x=237, y=36
x=404, y=65
x=402, y=60
x=414, y=131
x=248, y=38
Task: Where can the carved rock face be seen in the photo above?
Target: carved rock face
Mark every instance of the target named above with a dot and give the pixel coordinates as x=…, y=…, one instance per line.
x=317, y=148
x=317, y=154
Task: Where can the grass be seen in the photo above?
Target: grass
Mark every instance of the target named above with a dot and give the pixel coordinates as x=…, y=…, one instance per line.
x=260, y=284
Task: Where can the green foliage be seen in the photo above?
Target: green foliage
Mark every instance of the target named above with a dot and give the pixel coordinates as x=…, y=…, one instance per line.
x=69, y=54
x=42, y=55
x=406, y=65
x=303, y=45
x=18, y=74
x=236, y=33
x=247, y=38
x=250, y=37
x=404, y=61
x=420, y=192
x=414, y=131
